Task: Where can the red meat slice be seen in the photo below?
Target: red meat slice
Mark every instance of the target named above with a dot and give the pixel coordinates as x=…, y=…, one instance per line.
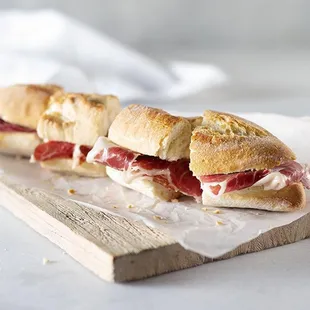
x=58, y=149
x=181, y=178
x=9, y=127
x=235, y=181
x=294, y=172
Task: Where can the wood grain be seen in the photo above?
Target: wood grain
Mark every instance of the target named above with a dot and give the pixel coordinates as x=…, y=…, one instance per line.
x=114, y=248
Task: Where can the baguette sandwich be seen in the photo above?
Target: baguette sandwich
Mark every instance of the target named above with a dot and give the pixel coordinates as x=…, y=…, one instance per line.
x=70, y=127
x=219, y=159
x=242, y=165
x=20, y=109
x=148, y=150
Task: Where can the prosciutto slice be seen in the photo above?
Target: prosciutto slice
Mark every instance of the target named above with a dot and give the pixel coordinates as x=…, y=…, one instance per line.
x=293, y=171
x=177, y=176
x=9, y=127
x=59, y=149
x=174, y=175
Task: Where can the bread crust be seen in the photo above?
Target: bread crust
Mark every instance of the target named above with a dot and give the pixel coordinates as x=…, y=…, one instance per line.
x=24, y=104
x=78, y=118
x=65, y=165
x=152, y=132
x=290, y=198
x=195, y=121
x=18, y=143
x=144, y=186
x=226, y=144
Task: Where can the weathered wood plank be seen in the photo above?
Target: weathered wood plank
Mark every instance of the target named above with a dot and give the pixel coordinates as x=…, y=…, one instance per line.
x=114, y=248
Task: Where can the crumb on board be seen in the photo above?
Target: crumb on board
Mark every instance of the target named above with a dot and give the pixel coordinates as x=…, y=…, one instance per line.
x=130, y=206
x=157, y=217
x=217, y=212
x=219, y=223
x=114, y=207
x=174, y=200
x=71, y=191
x=204, y=209
x=45, y=261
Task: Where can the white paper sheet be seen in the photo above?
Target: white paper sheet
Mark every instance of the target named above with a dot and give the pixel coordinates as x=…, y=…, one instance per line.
x=48, y=47
x=185, y=221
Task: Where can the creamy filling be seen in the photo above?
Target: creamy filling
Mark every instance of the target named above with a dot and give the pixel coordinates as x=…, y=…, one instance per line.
x=76, y=157
x=137, y=172
x=207, y=188
x=273, y=181
x=32, y=160
x=102, y=144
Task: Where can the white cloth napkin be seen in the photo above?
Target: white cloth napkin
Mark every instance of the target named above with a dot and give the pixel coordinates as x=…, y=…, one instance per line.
x=47, y=46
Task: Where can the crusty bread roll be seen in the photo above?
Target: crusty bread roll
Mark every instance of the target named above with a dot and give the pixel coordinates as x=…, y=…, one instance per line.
x=18, y=143
x=289, y=198
x=143, y=185
x=195, y=121
x=78, y=118
x=226, y=143
x=66, y=165
x=24, y=104
x=151, y=132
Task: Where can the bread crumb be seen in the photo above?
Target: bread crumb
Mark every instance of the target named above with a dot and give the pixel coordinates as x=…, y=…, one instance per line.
x=71, y=191
x=130, y=206
x=217, y=212
x=45, y=261
x=175, y=200
x=204, y=209
x=157, y=217
x=219, y=223
x=114, y=207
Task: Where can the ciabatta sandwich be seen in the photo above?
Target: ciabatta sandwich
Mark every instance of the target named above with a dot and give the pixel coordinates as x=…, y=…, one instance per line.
x=20, y=109
x=148, y=150
x=69, y=129
x=242, y=165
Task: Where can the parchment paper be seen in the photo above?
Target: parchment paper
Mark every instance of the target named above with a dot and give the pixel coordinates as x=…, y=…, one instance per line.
x=195, y=229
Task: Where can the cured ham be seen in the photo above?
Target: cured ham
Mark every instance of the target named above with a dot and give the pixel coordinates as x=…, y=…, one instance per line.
x=292, y=172
x=173, y=175
x=177, y=176
x=58, y=149
x=233, y=181
x=116, y=157
x=9, y=127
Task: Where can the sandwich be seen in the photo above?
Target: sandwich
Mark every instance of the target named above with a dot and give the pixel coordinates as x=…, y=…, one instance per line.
x=20, y=109
x=70, y=127
x=242, y=165
x=148, y=150
x=219, y=159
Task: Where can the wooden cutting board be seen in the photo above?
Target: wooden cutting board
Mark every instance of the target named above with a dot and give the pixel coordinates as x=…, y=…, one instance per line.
x=114, y=248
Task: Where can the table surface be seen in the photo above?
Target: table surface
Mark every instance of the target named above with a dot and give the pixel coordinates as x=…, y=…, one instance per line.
x=277, y=278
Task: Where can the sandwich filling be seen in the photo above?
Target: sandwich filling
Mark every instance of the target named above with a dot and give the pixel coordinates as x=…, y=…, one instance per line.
x=270, y=179
x=174, y=175
x=61, y=150
x=9, y=127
